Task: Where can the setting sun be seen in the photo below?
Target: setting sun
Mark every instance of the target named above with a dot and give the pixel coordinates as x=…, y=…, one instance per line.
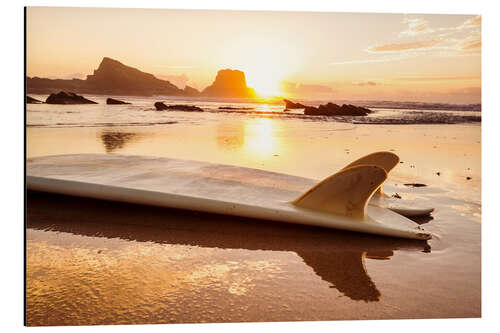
x=265, y=80
x=267, y=64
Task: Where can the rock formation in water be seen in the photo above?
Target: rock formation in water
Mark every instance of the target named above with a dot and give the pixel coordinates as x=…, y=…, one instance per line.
x=110, y=78
x=160, y=106
x=291, y=105
x=331, y=109
x=110, y=100
x=63, y=97
x=115, y=78
x=31, y=100
x=229, y=83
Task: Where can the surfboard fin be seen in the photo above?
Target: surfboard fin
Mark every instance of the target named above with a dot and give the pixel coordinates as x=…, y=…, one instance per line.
x=346, y=193
x=384, y=159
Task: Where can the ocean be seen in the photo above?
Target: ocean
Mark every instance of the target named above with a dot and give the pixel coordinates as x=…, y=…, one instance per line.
x=142, y=112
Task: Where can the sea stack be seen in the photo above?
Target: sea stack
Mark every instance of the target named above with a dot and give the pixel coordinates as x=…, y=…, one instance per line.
x=229, y=83
x=114, y=78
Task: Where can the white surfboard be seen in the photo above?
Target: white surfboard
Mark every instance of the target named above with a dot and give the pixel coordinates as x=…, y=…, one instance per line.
x=340, y=201
x=388, y=161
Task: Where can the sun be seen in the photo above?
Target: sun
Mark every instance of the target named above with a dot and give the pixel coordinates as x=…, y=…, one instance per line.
x=265, y=81
x=266, y=68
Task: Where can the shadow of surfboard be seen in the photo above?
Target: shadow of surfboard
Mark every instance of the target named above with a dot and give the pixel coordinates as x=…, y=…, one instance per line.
x=335, y=256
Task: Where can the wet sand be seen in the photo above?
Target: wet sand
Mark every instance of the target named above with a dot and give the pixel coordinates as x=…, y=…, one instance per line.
x=92, y=262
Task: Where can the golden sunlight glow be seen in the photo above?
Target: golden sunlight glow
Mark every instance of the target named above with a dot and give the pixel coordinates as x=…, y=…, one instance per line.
x=319, y=55
x=260, y=137
x=266, y=83
x=268, y=65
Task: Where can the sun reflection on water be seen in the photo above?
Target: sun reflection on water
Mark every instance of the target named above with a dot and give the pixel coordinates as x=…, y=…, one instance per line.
x=261, y=137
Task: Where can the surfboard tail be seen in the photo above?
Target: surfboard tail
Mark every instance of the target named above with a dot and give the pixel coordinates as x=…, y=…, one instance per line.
x=383, y=159
x=346, y=193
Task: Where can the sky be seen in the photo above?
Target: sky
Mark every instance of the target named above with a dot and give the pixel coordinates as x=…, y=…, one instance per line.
x=305, y=55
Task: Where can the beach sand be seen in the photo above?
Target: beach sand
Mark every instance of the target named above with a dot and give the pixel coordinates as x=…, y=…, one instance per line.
x=93, y=262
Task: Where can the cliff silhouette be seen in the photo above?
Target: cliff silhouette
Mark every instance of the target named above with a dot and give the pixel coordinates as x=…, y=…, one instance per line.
x=114, y=78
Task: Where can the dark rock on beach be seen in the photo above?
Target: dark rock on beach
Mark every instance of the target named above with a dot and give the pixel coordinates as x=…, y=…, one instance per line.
x=331, y=109
x=115, y=101
x=291, y=105
x=31, y=100
x=160, y=106
x=63, y=97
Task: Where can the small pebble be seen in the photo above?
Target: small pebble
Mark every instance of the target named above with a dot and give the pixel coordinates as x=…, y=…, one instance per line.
x=468, y=178
x=438, y=173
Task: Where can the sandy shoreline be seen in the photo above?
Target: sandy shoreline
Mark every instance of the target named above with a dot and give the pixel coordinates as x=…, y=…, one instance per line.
x=101, y=263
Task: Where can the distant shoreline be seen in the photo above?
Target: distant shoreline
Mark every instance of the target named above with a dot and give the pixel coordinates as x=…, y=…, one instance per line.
x=399, y=105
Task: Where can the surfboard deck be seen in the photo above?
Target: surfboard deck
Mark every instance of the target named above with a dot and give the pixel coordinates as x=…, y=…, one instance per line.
x=202, y=186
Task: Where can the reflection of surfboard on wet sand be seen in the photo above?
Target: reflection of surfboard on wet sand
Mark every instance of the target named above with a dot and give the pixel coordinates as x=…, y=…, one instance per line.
x=339, y=201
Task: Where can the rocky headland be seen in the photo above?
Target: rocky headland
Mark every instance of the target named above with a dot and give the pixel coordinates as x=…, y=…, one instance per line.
x=114, y=78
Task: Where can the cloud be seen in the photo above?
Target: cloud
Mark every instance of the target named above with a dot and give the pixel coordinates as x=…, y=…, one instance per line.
x=460, y=40
x=416, y=26
x=397, y=47
x=366, y=61
x=471, y=23
x=464, y=39
x=471, y=44
x=306, y=90
x=364, y=84
x=447, y=47
x=438, y=78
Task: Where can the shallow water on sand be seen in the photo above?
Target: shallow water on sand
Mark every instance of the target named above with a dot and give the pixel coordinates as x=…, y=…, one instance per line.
x=92, y=262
